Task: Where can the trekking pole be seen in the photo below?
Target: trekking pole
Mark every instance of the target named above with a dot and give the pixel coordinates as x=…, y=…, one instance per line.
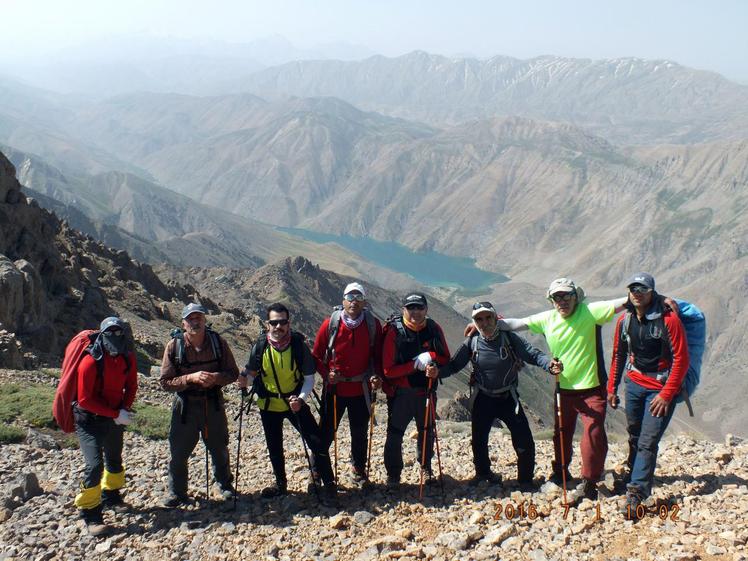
x=561, y=436
x=240, y=415
x=335, y=427
x=438, y=451
x=424, y=435
x=205, y=441
x=371, y=431
x=306, y=453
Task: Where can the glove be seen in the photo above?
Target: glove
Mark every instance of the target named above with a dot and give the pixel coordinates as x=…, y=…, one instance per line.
x=125, y=417
x=422, y=361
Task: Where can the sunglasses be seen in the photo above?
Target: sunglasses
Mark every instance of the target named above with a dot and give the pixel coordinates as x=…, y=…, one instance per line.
x=115, y=332
x=415, y=307
x=563, y=296
x=353, y=297
x=639, y=289
x=479, y=305
x=277, y=322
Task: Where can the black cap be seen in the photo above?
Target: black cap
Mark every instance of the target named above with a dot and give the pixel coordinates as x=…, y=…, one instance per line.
x=415, y=298
x=644, y=279
x=192, y=308
x=111, y=322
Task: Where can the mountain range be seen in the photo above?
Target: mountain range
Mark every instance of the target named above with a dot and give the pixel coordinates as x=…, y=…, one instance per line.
x=537, y=169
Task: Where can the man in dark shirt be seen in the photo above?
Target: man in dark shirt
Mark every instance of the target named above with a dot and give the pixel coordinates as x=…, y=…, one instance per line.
x=650, y=353
x=411, y=342
x=497, y=357
x=197, y=363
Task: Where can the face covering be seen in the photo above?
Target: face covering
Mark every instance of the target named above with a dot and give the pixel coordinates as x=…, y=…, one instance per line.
x=113, y=345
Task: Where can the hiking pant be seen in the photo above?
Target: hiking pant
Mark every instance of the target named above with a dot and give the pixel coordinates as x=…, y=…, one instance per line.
x=98, y=436
x=486, y=409
x=358, y=420
x=304, y=423
x=191, y=417
x=589, y=405
x=645, y=432
x=407, y=405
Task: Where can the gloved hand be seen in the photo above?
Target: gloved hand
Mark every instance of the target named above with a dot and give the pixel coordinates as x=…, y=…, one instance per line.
x=125, y=417
x=422, y=361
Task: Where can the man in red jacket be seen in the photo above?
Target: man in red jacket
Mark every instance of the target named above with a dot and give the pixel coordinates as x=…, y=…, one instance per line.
x=411, y=343
x=107, y=383
x=651, y=352
x=347, y=353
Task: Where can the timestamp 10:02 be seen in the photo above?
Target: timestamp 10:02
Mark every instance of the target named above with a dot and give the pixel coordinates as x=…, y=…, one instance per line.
x=530, y=512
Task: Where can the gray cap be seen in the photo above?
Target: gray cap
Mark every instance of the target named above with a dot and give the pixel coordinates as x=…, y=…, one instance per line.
x=415, y=298
x=644, y=279
x=112, y=322
x=192, y=308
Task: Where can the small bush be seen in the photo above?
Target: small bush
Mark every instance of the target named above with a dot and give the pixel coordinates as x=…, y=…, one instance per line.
x=10, y=434
x=31, y=403
x=152, y=421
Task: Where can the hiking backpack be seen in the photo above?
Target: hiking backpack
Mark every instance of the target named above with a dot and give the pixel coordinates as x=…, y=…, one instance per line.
x=67, y=390
x=178, y=357
x=506, y=346
x=297, y=362
x=694, y=324
x=334, y=325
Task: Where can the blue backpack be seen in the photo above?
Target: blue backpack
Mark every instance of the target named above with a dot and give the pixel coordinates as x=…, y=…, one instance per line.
x=694, y=324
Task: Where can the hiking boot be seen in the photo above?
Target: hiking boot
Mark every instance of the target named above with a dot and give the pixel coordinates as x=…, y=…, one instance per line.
x=111, y=499
x=393, y=482
x=226, y=492
x=329, y=494
x=527, y=487
x=359, y=476
x=589, y=489
x=94, y=519
x=314, y=481
x=428, y=477
x=489, y=477
x=631, y=510
x=277, y=490
x=557, y=478
x=173, y=500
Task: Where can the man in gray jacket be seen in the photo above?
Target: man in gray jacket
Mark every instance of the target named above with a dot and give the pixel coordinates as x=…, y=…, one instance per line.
x=497, y=357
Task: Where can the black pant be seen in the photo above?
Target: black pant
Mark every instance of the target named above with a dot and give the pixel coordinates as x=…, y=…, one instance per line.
x=97, y=435
x=192, y=417
x=485, y=410
x=358, y=420
x=407, y=405
x=304, y=423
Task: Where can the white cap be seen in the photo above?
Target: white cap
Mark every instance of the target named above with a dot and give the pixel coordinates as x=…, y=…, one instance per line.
x=354, y=287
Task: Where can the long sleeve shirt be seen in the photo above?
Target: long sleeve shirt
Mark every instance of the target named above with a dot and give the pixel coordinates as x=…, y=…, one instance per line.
x=174, y=379
x=115, y=389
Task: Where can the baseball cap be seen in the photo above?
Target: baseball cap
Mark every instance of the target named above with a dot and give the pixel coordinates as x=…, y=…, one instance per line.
x=191, y=308
x=415, y=298
x=479, y=307
x=645, y=279
x=354, y=287
x=111, y=322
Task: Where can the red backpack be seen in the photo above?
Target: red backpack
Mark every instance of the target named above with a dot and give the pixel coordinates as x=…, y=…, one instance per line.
x=67, y=389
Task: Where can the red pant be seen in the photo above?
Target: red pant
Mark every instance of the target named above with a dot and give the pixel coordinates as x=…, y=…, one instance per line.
x=590, y=406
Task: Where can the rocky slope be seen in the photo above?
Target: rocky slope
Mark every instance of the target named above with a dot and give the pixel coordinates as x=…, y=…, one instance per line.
x=701, y=488
x=56, y=281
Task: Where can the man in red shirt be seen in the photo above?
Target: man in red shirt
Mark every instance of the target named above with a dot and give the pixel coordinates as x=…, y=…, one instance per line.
x=107, y=384
x=347, y=353
x=650, y=353
x=411, y=343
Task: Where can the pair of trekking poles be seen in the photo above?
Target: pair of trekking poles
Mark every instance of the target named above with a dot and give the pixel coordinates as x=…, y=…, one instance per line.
x=239, y=416
x=429, y=422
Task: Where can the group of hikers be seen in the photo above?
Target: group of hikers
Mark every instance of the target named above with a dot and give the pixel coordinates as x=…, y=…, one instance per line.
x=357, y=356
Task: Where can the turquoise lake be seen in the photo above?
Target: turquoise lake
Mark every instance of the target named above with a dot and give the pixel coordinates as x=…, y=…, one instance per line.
x=428, y=267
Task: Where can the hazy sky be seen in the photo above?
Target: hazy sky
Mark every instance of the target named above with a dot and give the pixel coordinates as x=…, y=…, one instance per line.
x=709, y=35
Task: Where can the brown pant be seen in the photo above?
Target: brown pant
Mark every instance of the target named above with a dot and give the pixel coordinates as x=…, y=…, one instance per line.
x=590, y=406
